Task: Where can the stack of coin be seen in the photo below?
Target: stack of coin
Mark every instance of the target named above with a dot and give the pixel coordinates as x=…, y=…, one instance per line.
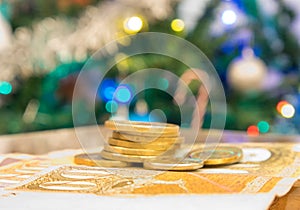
x=136, y=142
x=154, y=145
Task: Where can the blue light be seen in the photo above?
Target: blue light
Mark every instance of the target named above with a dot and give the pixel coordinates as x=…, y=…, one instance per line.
x=140, y=118
x=111, y=106
x=229, y=17
x=5, y=88
x=107, y=89
x=109, y=92
x=123, y=94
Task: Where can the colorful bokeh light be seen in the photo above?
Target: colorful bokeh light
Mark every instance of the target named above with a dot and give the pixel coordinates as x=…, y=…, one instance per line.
x=133, y=25
x=111, y=106
x=280, y=105
x=163, y=83
x=123, y=94
x=288, y=111
x=229, y=17
x=263, y=126
x=253, y=130
x=107, y=89
x=177, y=25
x=5, y=88
x=109, y=92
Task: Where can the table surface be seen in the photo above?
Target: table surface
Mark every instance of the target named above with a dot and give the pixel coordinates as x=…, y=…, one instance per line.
x=47, y=141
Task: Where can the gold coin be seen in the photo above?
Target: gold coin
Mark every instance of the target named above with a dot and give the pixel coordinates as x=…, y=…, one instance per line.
x=144, y=127
x=132, y=151
x=145, y=139
x=148, y=134
x=95, y=159
x=174, y=164
x=220, y=156
x=160, y=146
x=126, y=158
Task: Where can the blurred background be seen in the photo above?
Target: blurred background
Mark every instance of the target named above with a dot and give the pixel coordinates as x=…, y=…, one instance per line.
x=253, y=44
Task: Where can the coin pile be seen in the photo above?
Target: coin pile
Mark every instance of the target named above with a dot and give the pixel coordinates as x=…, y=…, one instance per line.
x=222, y=155
x=136, y=142
x=154, y=145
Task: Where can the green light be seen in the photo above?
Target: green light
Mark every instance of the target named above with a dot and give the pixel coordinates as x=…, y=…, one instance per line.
x=163, y=83
x=111, y=106
x=5, y=88
x=263, y=126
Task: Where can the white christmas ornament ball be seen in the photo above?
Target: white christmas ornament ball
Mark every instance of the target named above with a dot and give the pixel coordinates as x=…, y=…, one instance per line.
x=247, y=73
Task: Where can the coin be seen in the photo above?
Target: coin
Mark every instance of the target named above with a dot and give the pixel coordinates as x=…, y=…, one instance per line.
x=132, y=151
x=127, y=158
x=149, y=134
x=174, y=164
x=159, y=146
x=220, y=156
x=145, y=139
x=95, y=159
x=148, y=127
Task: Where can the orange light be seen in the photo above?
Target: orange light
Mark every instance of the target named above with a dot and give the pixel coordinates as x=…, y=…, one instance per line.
x=253, y=130
x=280, y=105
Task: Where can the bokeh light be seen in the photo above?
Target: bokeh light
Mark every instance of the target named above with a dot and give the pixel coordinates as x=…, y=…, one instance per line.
x=107, y=89
x=111, y=106
x=5, y=88
x=109, y=92
x=177, y=25
x=140, y=118
x=288, y=111
x=253, y=130
x=280, y=105
x=229, y=17
x=163, y=83
x=133, y=25
x=123, y=94
x=263, y=126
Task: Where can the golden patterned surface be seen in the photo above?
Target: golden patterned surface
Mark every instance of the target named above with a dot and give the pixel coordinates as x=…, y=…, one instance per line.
x=19, y=171
x=139, y=181
x=264, y=167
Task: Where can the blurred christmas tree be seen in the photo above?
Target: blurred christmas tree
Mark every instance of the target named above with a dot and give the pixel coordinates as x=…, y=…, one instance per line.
x=254, y=46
